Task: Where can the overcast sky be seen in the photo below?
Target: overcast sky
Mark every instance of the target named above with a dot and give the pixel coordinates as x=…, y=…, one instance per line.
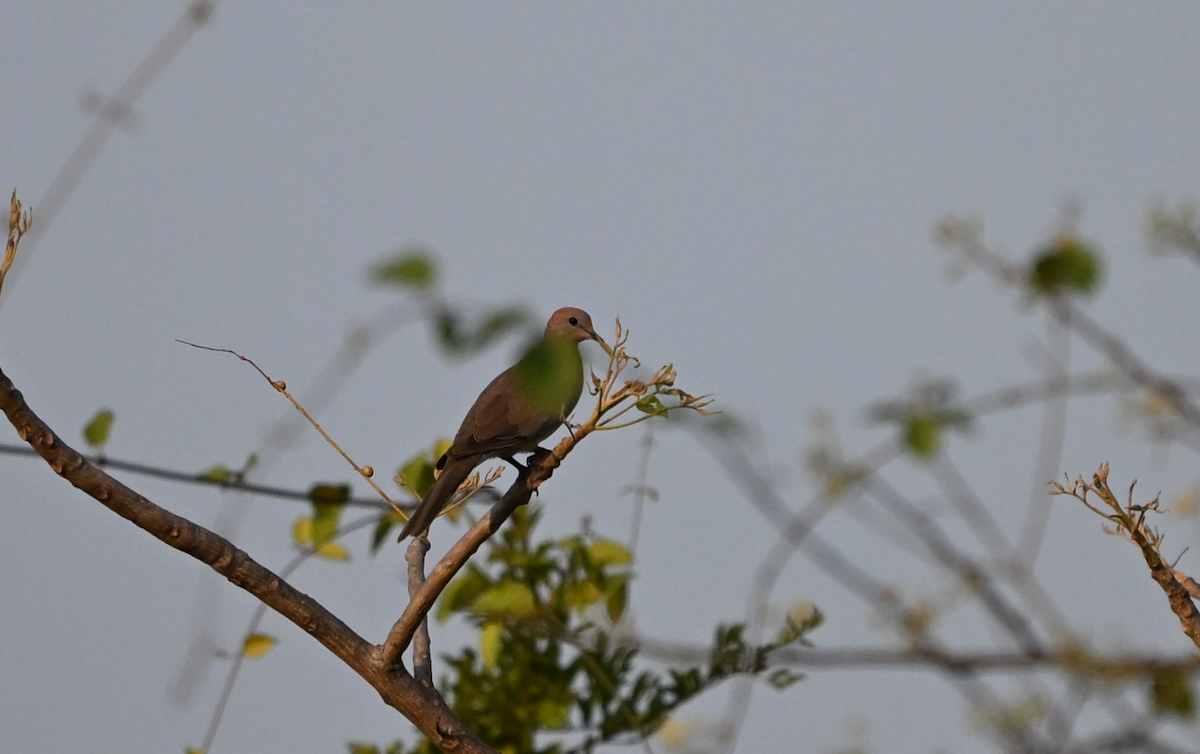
x=750, y=187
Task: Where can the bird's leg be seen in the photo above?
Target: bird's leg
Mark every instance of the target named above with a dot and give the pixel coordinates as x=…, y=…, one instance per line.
x=520, y=467
x=537, y=459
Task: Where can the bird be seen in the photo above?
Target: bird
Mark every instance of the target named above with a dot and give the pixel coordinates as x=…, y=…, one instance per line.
x=519, y=409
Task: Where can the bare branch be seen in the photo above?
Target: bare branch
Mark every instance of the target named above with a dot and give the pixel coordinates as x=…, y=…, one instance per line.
x=397, y=688
x=1130, y=522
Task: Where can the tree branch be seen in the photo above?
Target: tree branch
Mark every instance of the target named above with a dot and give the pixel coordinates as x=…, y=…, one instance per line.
x=423, y=707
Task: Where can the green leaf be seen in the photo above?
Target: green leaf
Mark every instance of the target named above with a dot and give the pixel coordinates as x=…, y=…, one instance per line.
x=332, y=551
x=1171, y=693
x=552, y=713
x=96, y=431
x=618, y=598
x=497, y=323
x=505, y=598
x=462, y=591
x=408, y=268
x=302, y=532
x=218, y=473
x=652, y=405
x=781, y=679
x=257, y=645
x=605, y=552
x=1066, y=265
x=416, y=475
x=580, y=595
x=923, y=435
x=382, y=527
x=354, y=748
x=328, y=501
x=489, y=644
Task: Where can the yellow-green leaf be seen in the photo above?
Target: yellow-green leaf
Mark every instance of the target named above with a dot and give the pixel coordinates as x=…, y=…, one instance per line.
x=409, y=268
x=923, y=435
x=507, y=597
x=386, y=522
x=218, y=473
x=257, y=645
x=581, y=595
x=328, y=500
x=190, y=750
x=1066, y=265
x=489, y=644
x=333, y=551
x=652, y=405
x=553, y=713
x=96, y=431
x=302, y=532
x=606, y=552
x=417, y=475
x=462, y=591
x=1171, y=693
x=618, y=598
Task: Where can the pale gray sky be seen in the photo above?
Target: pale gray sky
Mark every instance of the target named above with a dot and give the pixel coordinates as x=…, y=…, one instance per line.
x=750, y=187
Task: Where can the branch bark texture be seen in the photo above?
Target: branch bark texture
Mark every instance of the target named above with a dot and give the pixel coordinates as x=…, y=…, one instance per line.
x=421, y=705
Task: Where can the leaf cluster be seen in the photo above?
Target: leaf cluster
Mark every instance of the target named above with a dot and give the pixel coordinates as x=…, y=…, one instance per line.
x=548, y=676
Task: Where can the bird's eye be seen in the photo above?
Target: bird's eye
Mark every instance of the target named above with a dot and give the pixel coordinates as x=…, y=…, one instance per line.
x=574, y=321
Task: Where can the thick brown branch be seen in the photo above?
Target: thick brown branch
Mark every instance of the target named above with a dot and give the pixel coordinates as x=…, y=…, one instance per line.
x=452, y=562
x=397, y=688
x=1177, y=594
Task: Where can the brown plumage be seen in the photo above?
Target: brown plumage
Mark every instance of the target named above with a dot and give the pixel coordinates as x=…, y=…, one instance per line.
x=524, y=405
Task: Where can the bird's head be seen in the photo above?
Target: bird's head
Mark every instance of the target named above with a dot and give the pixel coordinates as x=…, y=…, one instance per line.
x=574, y=325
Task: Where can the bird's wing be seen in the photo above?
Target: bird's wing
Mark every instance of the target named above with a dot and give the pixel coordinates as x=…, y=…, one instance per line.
x=503, y=420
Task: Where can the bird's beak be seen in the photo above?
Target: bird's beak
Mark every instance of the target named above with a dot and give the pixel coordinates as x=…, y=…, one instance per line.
x=607, y=349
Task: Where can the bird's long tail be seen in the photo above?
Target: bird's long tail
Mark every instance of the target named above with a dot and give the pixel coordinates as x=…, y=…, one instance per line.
x=454, y=473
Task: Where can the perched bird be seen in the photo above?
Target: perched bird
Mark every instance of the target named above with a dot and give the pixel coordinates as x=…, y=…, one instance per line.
x=524, y=405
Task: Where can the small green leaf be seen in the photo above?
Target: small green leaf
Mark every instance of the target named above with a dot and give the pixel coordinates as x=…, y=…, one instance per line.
x=923, y=435
x=417, y=475
x=302, y=532
x=409, y=268
x=218, y=473
x=332, y=551
x=257, y=645
x=328, y=501
x=605, y=552
x=354, y=748
x=618, y=598
x=781, y=679
x=505, y=598
x=96, y=431
x=652, y=405
x=497, y=323
x=552, y=714
x=462, y=591
x=489, y=644
x=384, y=525
x=1066, y=265
x=580, y=595
x=1171, y=693
x=191, y=750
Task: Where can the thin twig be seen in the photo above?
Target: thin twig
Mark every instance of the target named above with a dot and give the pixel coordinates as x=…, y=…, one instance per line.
x=366, y=472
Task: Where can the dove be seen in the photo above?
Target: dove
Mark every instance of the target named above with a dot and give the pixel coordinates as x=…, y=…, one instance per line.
x=519, y=409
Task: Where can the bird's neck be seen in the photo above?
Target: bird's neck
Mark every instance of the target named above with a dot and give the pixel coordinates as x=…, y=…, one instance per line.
x=552, y=374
